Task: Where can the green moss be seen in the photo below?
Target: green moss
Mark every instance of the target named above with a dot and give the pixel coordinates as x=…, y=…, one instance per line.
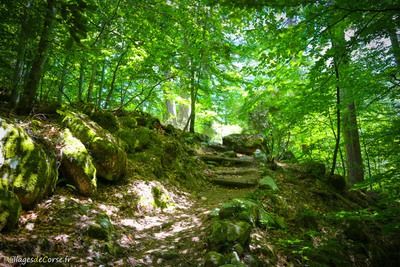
x=240, y=209
x=307, y=218
x=128, y=122
x=314, y=169
x=101, y=228
x=106, y=120
x=108, y=157
x=77, y=164
x=224, y=234
x=161, y=199
x=143, y=138
x=214, y=259
x=10, y=209
x=27, y=169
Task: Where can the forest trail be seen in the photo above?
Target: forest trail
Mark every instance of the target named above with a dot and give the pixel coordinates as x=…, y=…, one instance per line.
x=174, y=236
x=179, y=237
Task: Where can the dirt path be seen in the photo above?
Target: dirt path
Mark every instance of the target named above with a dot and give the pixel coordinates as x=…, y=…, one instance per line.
x=141, y=234
x=177, y=237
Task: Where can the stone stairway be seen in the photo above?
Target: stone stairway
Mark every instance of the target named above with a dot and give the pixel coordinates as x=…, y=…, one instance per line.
x=231, y=169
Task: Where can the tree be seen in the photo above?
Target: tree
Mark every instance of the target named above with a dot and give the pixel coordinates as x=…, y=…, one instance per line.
x=36, y=70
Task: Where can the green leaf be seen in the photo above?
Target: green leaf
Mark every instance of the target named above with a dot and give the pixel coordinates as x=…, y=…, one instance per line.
x=268, y=183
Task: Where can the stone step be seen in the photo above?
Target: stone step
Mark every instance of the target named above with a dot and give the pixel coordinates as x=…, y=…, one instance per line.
x=235, y=181
x=236, y=171
x=217, y=147
x=224, y=161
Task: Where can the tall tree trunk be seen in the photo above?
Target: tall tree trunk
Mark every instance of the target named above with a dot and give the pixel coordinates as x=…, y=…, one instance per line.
x=100, y=91
x=351, y=137
x=81, y=80
x=114, y=77
x=32, y=84
x=183, y=112
x=18, y=76
x=355, y=171
x=64, y=71
x=91, y=83
x=344, y=170
x=337, y=144
x=193, y=96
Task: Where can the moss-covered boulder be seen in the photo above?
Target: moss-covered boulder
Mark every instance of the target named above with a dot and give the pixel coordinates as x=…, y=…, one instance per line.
x=151, y=196
x=224, y=234
x=139, y=139
x=243, y=143
x=195, y=138
x=146, y=120
x=108, y=157
x=25, y=168
x=106, y=120
x=128, y=122
x=10, y=208
x=240, y=209
x=76, y=164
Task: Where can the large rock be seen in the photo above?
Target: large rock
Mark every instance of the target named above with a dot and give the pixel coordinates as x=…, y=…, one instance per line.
x=25, y=168
x=240, y=209
x=226, y=233
x=139, y=139
x=106, y=120
x=10, y=208
x=76, y=164
x=243, y=143
x=109, y=158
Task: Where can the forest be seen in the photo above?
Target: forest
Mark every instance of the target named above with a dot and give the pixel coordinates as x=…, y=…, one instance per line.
x=199, y=133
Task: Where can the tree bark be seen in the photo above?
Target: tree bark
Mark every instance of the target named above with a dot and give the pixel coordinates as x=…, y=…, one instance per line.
x=91, y=83
x=62, y=78
x=114, y=77
x=351, y=137
x=337, y=144
x=81, y=80
x=355, y=171
x=100, y=91
x=32, y=84
x=193, y=96
x=18, y=77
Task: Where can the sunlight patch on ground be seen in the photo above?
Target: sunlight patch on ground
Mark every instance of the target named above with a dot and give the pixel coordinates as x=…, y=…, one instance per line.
x=29, y=226
x=108, y=209
x=61, y=238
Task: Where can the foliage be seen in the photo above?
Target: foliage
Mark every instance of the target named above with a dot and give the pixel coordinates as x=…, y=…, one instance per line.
x=317, y=78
